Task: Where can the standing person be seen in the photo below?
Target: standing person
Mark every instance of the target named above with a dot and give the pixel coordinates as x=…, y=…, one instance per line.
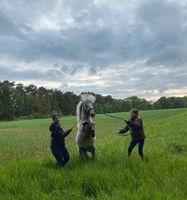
x=58, y=147
x=135, y=125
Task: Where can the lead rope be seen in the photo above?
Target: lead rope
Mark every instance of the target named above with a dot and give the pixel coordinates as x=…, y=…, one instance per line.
x=69, y=138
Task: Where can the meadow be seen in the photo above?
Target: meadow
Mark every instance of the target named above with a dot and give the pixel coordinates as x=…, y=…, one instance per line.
x=28, y=171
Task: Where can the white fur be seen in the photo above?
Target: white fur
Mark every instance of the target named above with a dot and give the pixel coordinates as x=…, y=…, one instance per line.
x=80, y=137
x=88, y=98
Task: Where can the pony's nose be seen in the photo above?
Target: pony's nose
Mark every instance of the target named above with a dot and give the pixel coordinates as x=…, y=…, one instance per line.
x=93, y=114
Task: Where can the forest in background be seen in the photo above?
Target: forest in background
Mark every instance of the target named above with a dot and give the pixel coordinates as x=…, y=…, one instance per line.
x=19, y=101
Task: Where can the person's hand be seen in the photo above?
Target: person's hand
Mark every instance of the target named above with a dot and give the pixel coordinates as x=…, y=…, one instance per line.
x=126, y=120
x=69, y=130
x=118, y=132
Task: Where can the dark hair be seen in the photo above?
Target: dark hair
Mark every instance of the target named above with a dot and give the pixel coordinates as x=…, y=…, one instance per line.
x=135, y=111
x=54, y=116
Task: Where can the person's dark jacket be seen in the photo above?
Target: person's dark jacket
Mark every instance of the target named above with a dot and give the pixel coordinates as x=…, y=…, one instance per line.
x=58, y=135
x=136, y=129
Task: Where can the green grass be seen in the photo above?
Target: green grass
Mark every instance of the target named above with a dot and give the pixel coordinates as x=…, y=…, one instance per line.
x=27, y=168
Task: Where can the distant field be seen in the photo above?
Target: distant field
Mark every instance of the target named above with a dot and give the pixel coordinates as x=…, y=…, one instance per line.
x=27, y=168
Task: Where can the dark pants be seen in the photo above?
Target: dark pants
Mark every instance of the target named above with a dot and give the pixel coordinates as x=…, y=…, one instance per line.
x=140, y=147
x=61, y=155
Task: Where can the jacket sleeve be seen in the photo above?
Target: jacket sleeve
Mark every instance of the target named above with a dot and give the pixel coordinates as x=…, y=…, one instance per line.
x=137, y=124
x=66, y=133
x=124, y=130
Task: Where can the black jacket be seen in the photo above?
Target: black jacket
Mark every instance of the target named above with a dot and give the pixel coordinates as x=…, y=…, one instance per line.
x=58, y=135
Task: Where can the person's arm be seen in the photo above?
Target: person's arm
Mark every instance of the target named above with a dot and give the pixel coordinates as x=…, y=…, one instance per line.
x=58, y=131
x=66, y=133
x=123, y=130
x=137, y=124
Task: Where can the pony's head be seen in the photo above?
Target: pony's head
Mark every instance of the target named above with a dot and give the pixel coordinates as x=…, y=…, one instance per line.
x=87, y=109
x=85, y=106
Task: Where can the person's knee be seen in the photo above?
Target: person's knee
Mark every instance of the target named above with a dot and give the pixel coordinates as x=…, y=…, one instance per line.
x=67, y=157
x=130, y=149
x=56, y=154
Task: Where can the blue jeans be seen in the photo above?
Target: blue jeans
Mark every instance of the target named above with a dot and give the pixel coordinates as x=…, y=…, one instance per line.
x=140, y=146
x=61, y=155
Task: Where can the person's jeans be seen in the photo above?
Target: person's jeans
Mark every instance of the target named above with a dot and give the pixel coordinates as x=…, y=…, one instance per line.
x=61, y=155
x=140, y=146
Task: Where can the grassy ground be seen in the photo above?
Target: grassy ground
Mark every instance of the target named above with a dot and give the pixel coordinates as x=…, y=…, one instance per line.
x=27, y=168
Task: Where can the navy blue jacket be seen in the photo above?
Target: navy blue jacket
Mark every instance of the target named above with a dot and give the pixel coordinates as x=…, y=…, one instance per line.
x=58, y=135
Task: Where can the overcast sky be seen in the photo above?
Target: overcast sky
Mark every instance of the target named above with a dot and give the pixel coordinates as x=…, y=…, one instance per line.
x=111, y=47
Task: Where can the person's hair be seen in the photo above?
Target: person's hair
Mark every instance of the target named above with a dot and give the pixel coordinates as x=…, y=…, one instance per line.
x=135, y=111
x=54, y=116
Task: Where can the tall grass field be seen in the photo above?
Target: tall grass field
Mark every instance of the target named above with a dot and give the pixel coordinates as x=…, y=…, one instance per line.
x=28, y=170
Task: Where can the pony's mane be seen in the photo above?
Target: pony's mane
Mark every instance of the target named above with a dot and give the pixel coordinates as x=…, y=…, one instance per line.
x=78, y=111
x=88, y=98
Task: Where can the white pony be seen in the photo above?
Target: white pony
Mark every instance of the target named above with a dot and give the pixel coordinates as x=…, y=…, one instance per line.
x=85, y=137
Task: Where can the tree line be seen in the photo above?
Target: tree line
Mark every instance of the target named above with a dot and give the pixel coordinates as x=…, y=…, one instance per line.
x=19, y=101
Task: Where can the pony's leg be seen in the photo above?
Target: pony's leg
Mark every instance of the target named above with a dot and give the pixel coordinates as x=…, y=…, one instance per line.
x=83, y=154
x=92, y=151
x=86, y=155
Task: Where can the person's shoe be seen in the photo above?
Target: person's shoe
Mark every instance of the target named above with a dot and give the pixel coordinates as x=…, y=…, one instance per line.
x=59, y=166
x=142, y=157
x=129, y=155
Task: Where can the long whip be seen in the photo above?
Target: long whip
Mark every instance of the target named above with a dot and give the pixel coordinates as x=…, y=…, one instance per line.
x=119, y=119
x=113, y=116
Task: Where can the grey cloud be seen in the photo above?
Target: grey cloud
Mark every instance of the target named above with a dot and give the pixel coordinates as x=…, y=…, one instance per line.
x=25, y=11
x=64, y=70
x=169, y=56
x=11, y=74
x=96, y=37
x=7, y=27
x=111, y=42
x=165, y=21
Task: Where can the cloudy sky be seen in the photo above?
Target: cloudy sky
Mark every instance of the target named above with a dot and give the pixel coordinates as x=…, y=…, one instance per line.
x=111, y=47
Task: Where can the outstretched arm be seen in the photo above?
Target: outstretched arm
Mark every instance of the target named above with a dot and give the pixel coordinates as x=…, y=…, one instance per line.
x=123, y=130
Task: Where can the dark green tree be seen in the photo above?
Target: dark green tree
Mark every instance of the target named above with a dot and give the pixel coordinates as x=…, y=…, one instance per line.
x=7, y=102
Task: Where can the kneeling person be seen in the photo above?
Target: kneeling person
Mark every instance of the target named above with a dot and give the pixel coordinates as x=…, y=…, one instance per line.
x=58, y=147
